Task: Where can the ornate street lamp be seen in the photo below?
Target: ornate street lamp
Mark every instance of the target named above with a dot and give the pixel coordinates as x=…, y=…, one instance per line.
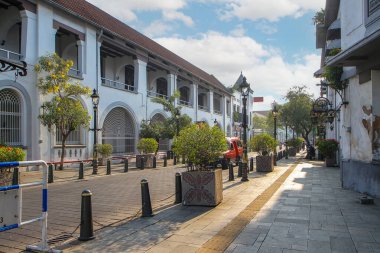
x=244, y=89
x=95, y=103
x=274, y=113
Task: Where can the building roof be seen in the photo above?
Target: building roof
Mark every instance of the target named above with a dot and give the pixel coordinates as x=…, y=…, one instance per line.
x=101, y=19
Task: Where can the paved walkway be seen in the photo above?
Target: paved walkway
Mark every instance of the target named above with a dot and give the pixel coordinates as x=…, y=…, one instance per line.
x=301, y=209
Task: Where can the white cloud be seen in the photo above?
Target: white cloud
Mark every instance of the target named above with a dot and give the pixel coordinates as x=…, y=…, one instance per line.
x=226, y=55
x=125, y=9
x=266, y=28
x=175, y=15
x=271, y=10
x=239, y=31
x=157, y=28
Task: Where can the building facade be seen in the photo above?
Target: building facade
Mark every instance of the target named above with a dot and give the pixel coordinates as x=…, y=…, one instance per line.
x=353, y=27
x=124, y=66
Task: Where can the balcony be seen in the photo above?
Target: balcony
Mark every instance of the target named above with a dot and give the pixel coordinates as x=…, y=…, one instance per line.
x=185, y=103
x=203, y=108
x=10, y=55
x=117, y=85
x=155, y=94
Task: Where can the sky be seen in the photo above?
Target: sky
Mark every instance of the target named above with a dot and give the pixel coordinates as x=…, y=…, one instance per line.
x=272, y=42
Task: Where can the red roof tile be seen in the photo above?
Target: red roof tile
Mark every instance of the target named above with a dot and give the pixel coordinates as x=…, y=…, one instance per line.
x=104, y=20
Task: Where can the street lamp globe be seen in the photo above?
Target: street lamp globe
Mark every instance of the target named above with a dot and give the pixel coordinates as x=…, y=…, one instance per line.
x=244, y=87
x=95, y=98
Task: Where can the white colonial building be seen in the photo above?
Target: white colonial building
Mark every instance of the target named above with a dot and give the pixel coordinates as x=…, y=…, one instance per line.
x=354, y=27
x=126, y=67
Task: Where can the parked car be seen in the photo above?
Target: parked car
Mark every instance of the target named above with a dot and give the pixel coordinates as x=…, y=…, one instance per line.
x=235, y=149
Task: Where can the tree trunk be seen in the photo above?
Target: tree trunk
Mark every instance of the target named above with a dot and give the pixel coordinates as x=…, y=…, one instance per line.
x=63, y=147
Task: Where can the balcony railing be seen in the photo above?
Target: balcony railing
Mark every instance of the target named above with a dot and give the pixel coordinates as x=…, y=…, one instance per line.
x=203, y=108
x=117, y=85
x=185, y=103
x=10, y=55
x=74, y=72
x=218, y=111
x=155, y=94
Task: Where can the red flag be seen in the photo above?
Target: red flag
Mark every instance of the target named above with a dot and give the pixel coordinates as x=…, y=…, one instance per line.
x=258, y=99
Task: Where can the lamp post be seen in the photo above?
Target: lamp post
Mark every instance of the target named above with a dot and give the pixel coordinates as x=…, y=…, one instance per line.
x=286, y=141
x=244, y=88
x=274, y=113
x=95, y=103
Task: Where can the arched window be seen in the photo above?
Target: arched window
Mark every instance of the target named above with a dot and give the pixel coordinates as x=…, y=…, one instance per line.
x=162, y=86
x=10, y=118
x=184, y=95
x=129, y=77
x=119, y=131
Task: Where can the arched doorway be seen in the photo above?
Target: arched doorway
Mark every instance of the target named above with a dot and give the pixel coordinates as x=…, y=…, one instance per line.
x=163, y=144
x=119, y=131
x=10, y=118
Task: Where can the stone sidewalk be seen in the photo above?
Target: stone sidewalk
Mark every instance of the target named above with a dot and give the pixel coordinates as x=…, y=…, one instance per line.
x=309, y=212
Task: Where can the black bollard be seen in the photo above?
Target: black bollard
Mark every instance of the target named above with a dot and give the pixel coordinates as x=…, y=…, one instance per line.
x=142, y=163
x=81, y=172
x=171, y=155
x=154, y=162
x=240, y=169
x=108, y=167
x=230, y=172
x=126, y=165
x=224, y=164
x=86, y=228
x=178, y=188
x=50, y=174
x=145, y=199
x=251, y=164
x=15, y=178
x=165, y=161
x=175, y=160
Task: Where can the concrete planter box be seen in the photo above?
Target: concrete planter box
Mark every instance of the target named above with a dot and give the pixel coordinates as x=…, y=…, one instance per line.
x=148, y=160
x=264, y=163
x=330, y=162
x=202, y=188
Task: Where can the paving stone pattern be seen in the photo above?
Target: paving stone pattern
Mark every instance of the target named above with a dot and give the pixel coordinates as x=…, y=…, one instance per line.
x=312, y=213
x=115, y=198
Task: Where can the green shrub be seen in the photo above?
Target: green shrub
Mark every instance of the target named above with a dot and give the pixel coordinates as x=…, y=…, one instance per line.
x=147, y=145
x=201, y=144
x=9, y=154
x=327, y=147
x=104, y=149
x=295, y=142
x=264, y=144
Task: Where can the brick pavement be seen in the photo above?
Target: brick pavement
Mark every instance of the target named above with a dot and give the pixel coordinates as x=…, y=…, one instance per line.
x=115, y=198
x=309, y=212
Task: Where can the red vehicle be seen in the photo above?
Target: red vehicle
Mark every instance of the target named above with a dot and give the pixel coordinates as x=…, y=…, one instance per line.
x=235, y=149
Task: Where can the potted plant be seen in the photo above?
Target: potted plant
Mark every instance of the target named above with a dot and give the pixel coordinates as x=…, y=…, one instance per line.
x=294, y=145
x=105, y=150
x=264, y=144
x=328, y=148
x=202, y=145
x=9, y=154
x=147, y=147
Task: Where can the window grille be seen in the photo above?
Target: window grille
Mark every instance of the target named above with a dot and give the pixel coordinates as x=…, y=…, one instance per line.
x=10, y=118
x=74, y=137
x=119, y=131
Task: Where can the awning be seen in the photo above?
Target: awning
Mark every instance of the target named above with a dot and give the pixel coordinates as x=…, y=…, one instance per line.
x=366, y=51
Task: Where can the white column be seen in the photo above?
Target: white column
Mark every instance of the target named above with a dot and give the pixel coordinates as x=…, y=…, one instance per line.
x=98, y=60
x=172, y=85
x=224, y=103
x=141, y=75
x=195, y=101
x=28, y=36
x=81, y=67
x=211, y=102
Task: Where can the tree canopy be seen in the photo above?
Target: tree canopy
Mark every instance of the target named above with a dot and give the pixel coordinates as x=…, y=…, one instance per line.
x=63, y=113
x=296, y=111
